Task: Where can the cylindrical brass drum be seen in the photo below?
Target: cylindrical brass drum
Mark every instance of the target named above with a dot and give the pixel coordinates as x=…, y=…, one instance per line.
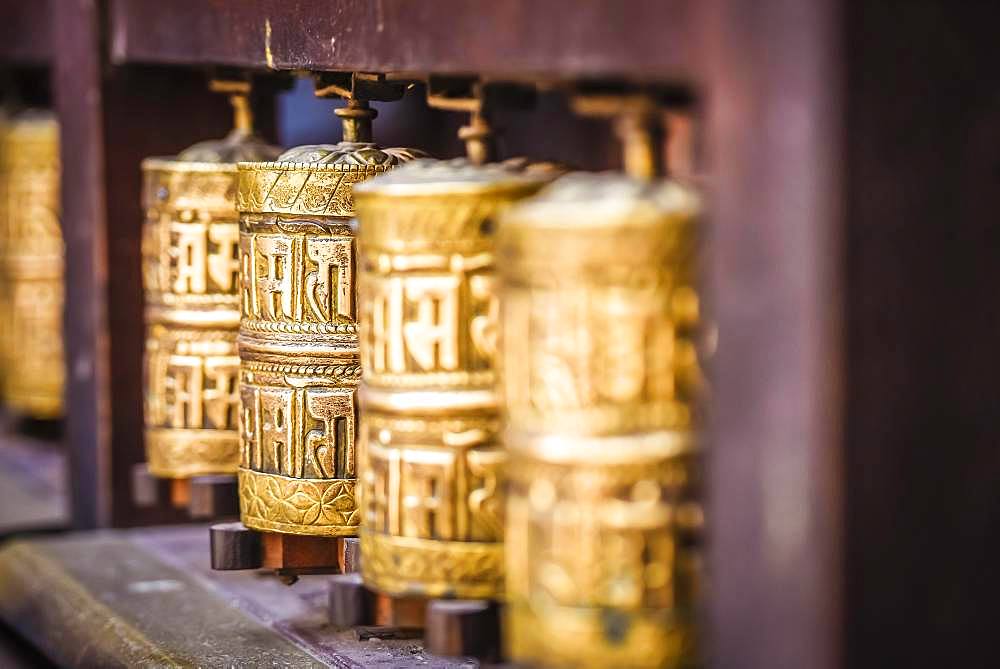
x=4, y=233
x=430, y=473
x=191, y=280
x=32, y=266
x=599, y=378
x=298, y=341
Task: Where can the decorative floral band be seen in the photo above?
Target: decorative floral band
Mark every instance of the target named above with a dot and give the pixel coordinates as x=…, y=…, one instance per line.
x=298, y=506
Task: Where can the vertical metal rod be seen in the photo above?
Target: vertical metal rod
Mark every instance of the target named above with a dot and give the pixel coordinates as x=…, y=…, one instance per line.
x=357, y=120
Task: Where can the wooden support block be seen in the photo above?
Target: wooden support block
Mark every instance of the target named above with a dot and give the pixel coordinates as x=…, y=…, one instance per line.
x=351, y=604
x=234, y=546
x=214, y=497
x=463, y=628
x=402, y=612
x=180, y=493
x=352, y=555
x=373, y=615
x=302, y=554
x=145, y=486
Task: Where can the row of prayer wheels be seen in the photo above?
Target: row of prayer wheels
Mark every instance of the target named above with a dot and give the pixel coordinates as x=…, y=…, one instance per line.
x=486, y=370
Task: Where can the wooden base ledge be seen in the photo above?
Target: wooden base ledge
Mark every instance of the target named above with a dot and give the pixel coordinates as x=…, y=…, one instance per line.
x=148, y=598
x=235, y=546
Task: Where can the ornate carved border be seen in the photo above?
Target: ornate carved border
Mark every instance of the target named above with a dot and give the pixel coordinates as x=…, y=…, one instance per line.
x=432, y=568
x=318, y=507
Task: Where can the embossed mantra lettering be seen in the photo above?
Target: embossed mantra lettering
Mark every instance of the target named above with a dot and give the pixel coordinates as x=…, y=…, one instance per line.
x=190, y=275
x=417, y=322
x=274, y=419
x=432, y=467
x=192, y=373
x=298, y=278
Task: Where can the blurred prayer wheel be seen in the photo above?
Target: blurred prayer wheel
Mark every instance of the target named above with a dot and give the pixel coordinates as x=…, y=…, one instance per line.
x=430, y=461
x=4, y=232
x=298, y=341
x=191, y=281
x=599, y=378
x=32, y=266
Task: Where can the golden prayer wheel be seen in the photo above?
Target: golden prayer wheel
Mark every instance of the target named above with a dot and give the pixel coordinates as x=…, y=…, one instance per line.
x=599, y=378
x=298, y=342
x=32, y=266
x=4, y=281
x=191, y=271
x=432, y=506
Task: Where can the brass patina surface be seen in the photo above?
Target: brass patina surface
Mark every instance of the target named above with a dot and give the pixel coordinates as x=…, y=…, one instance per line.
x=430, y=460
x=191, y=281
x=298, y=341
x=32, y=266
x=599, y=378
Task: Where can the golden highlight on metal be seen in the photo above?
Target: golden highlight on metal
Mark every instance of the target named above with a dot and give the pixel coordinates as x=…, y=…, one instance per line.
x=431, y=465
x=32, y=266
x=191, y=270
x=298, y=341
x=599, y=383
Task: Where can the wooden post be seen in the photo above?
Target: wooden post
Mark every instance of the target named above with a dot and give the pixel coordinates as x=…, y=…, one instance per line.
x=111, y=118
x=773, y=101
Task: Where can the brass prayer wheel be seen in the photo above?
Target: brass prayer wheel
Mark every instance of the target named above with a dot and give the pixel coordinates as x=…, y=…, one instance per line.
x=191, y=271
x=430, y=473
x=298, y=341
x=4, y=232
x=600, y=377
x=33, y=262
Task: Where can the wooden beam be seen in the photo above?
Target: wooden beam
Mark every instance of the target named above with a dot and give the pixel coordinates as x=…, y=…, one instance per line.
x=775, y=483
x=526, y=38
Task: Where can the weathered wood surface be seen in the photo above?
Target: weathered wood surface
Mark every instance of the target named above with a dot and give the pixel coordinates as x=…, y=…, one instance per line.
x=526, y=38
x=141, y=597
x=32, y=481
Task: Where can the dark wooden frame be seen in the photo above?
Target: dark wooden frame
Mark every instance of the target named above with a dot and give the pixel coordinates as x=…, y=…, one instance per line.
x=775, y=275
x=514, y=38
